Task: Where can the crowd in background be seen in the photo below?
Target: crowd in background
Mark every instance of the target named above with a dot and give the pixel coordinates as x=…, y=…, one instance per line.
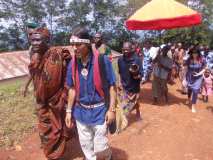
x=191, y=64
x=78, y=87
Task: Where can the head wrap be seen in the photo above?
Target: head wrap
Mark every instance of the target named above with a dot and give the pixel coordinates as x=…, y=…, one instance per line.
x=75, y=39
x=32, y=25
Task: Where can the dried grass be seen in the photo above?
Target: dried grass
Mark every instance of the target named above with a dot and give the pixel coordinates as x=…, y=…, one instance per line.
x=17, y=114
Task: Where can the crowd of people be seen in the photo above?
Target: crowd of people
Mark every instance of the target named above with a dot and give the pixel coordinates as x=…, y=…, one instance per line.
x=192, y=65
x=77, y=87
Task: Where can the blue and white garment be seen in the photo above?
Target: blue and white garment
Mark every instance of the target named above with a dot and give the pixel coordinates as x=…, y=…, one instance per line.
x=209, y=60
x=194, y=82
x=147, y=64
x=88, y=94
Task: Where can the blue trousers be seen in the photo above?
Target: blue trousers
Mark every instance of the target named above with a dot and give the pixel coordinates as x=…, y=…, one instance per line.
x=194, y=94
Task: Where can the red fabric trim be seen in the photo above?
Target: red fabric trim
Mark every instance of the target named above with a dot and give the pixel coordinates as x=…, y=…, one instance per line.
x=168, y=23
x=75, y=76
x=96, y=76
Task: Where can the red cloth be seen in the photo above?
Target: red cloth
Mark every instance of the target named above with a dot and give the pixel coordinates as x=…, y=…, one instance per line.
x=138, y=51
x=169, y=23
x=51, y=97
x=96, y=75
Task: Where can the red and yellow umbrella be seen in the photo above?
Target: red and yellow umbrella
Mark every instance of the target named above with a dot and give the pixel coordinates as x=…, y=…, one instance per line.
x=163, y=14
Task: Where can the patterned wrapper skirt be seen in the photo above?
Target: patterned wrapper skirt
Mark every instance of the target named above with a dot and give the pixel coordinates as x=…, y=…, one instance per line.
x=126, y=103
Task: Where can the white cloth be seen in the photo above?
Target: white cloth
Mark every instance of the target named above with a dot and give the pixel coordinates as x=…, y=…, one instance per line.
x=153, y=52
x=93, y=139
x=209, y=60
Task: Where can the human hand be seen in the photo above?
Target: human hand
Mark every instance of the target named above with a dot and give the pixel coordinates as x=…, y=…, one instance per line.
x=110, y=117
x=68, y=120
x=119, y=87
x=195, y=74
x=24, y=92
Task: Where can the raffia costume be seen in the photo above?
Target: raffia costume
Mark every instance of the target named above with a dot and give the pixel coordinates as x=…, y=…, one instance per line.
x=51, y=97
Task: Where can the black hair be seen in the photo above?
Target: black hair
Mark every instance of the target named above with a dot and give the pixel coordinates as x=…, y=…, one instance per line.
x=195, y=49
x=165, y=49
x=81, y=32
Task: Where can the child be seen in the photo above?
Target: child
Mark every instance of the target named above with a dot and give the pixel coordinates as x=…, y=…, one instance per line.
x=207, y=85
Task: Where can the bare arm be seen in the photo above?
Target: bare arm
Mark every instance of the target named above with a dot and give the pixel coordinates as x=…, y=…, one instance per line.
x=180, y=56
x=112, y=92
x=110, y=115
x=212, y=80
x=28, y=82
x=71, y=100
x=200, y=73
x=27, y=85
x=212, y=83
x=119, y=83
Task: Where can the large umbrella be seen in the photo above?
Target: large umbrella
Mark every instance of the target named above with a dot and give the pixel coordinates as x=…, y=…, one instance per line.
x=163, y=14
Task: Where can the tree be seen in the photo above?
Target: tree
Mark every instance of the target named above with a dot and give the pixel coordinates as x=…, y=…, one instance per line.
x=107, y=16
x=190, y=35
x=17, y=13
x=104, y=14
x=53, y=8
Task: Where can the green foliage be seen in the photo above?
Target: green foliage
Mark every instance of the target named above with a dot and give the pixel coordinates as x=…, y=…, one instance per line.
x=75, y=14
x=201, y=34
x=60, y=39
x=107, y=16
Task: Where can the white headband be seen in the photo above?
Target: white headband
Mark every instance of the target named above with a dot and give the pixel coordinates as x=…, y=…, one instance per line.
x=75, y=39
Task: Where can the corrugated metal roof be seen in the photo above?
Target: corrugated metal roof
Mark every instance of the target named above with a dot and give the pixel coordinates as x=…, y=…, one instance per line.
x=13, y=64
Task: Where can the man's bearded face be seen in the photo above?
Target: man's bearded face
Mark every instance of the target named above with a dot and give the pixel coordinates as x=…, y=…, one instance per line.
x=38, y=43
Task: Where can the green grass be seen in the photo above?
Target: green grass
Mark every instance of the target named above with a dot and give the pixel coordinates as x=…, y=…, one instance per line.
x=17, y=114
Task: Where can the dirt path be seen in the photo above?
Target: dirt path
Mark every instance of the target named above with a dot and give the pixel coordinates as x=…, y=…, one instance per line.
x=165, y=133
